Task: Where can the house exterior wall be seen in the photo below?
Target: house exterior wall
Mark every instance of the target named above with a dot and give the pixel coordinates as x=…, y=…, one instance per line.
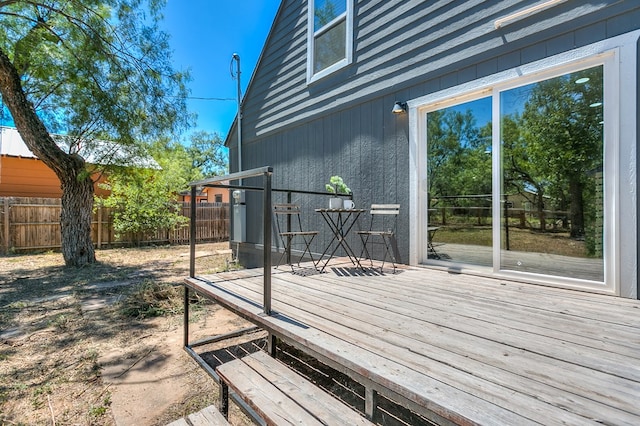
x=402, y=50
x=27, y=177
x=30, y=177
x=405, y=49
x=212, y=192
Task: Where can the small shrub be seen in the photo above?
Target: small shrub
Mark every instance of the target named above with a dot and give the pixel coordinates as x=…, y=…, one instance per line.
x=101, y=410
x=61, y=322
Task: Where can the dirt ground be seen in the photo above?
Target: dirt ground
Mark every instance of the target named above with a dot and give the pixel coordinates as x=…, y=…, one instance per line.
x=102, y=345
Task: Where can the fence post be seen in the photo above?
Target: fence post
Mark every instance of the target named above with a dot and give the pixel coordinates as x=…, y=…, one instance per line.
x=6, y=225
x=99, y=230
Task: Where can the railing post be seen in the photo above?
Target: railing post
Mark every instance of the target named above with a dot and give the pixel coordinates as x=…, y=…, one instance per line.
x=289, y=238
x=267, y=242
x=192, y=234
x=185, y=336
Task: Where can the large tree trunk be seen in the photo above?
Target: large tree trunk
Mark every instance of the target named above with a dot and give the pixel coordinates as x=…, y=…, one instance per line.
x=75, y=221
x=77, y=186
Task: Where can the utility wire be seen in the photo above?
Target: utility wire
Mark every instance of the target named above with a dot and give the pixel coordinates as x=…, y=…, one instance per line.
x=205, y=99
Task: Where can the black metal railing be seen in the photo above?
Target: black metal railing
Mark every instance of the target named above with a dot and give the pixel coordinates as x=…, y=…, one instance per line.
x=267, y=205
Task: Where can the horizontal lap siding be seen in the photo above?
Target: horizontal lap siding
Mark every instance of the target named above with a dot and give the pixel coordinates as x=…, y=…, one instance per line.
x=399, y=46
x=281, y=68
x=27, y=177
x=342, y=124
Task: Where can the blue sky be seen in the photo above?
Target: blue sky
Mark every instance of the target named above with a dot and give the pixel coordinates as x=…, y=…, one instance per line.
x=204, y=36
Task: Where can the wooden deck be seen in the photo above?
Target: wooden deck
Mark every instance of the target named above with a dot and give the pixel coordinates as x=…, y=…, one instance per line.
x=457, y=348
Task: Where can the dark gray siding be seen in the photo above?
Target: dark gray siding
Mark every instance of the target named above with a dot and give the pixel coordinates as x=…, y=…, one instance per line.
x=367, y=145
x=402, y=50
x=401, y=44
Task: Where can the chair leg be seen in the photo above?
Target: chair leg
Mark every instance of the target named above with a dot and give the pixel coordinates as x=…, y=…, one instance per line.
x=364, y=250
x=288, y=252
x=282, y=256
x=391, y=248
x=308, y=250
x=394, y=246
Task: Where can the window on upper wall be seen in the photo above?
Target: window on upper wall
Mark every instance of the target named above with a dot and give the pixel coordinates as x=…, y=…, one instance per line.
x=329, y=37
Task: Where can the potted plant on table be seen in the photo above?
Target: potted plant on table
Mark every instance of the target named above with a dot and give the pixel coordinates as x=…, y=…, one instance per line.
x=336, y=186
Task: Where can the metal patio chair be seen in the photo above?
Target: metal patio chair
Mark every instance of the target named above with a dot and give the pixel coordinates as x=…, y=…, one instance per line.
x=382, y=231
x=291, y=232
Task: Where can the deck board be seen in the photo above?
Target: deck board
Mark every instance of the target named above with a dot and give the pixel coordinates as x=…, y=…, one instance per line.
x=471, y=349
x=412, y=309
x=343, y=320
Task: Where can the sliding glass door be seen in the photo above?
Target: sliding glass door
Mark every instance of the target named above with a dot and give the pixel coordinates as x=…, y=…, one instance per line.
x=516, y=180
x=552, y=176
x=459, y=183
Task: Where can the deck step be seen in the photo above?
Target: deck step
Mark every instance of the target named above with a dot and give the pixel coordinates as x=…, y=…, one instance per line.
x=280, y=396
x=209, y=416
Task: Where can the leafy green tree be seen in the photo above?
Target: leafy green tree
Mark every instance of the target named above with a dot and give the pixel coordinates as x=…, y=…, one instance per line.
x=207, y=153
x=144, y=201
x=457, y=163
x=556, y=145
x=520, y=171
x=91, y=69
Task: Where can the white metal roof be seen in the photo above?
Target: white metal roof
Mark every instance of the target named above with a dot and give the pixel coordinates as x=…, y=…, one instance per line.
x=99, y=152
x=12, y=144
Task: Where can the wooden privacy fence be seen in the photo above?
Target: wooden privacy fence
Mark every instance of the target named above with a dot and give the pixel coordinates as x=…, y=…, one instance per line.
x=34, y=224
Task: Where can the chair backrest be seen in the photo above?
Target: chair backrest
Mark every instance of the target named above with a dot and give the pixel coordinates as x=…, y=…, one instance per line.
x=386, y=215
x=287, y=211
x=389, y=209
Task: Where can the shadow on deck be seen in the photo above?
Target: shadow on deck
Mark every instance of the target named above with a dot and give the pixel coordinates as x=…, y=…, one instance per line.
x=455, y=349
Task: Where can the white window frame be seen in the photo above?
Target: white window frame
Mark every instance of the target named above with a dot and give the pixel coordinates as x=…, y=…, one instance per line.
x=619, y=58
x=347, y=16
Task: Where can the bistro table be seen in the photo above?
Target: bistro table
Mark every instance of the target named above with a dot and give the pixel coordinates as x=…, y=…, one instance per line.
x=340, y=222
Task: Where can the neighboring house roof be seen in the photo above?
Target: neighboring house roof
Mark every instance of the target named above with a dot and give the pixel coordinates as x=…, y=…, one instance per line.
x=201, y=191
x=187, y=192
x=12, y=144
x=98, y=152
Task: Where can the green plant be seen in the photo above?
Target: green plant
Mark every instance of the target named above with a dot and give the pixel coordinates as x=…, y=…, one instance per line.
x=36, y=398
x=60, y=321
x=337, y=186
x=101, y=410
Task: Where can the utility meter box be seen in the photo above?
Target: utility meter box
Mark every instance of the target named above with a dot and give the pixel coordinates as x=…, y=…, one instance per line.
x=238, y=196
x=239, y=217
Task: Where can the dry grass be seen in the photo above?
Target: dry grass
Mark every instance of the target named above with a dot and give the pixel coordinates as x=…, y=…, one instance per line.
x=520, y=239
x=51, y=338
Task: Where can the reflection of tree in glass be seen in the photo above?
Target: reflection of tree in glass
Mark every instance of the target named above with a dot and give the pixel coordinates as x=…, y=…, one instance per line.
x=329, y=47
x=556, y=146
x=324, y=12
x=458, y=163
